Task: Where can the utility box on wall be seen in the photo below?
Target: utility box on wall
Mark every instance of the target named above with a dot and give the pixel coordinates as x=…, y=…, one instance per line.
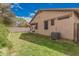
x=55, y=35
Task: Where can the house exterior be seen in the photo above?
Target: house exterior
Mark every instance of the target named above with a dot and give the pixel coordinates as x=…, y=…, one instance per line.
x=63, y=20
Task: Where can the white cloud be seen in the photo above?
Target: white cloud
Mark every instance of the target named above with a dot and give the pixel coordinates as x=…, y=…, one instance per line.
x=31, y=14
x=35, y=11
x=12, y=6
x=16, y=5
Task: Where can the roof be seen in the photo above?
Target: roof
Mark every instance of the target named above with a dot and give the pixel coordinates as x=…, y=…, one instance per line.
x=75, y=10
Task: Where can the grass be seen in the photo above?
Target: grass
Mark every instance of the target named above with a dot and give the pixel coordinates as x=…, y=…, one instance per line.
x=4, y=42
x=29, y=44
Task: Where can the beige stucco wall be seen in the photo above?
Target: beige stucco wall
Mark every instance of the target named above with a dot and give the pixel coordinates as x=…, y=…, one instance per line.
x=65, y=26
x=76, y=21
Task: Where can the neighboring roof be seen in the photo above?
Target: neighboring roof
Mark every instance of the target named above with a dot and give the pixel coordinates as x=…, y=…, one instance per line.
x=76, y=10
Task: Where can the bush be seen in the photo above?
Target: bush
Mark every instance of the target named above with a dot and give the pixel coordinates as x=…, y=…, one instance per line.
x=4, y=42
x=7, y=21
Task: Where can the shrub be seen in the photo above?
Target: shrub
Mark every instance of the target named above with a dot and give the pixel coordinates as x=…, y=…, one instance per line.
x=8, y=21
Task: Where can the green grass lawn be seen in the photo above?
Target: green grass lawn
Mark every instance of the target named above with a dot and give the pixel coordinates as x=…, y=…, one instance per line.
x=28, y=44
x=4, y=42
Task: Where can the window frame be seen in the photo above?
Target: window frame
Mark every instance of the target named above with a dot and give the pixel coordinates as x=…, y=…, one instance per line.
x=46, y=25
x=52, y=21
x=36, y=25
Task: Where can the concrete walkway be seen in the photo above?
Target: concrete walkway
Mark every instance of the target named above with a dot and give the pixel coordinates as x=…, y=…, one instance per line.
x=19, y=29
x=14, y=38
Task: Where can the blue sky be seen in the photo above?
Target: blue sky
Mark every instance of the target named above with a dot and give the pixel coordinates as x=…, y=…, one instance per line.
x=28, y=10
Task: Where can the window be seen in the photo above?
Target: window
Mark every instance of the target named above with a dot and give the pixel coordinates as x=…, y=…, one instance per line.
x=36, y=26
x=64, y=17
x=46, y=25
x=52, y=21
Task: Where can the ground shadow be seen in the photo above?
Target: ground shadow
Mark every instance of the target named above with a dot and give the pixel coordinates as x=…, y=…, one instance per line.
x=66, y=47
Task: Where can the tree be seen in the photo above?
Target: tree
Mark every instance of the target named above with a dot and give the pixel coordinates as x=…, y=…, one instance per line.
x=21, y=22
x=6, y=14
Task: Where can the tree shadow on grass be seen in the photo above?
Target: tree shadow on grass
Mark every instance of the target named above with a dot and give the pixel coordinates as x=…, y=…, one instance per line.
x=66, y=47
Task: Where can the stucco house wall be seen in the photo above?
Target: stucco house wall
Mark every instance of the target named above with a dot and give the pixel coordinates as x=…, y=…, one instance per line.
x=64, y=26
